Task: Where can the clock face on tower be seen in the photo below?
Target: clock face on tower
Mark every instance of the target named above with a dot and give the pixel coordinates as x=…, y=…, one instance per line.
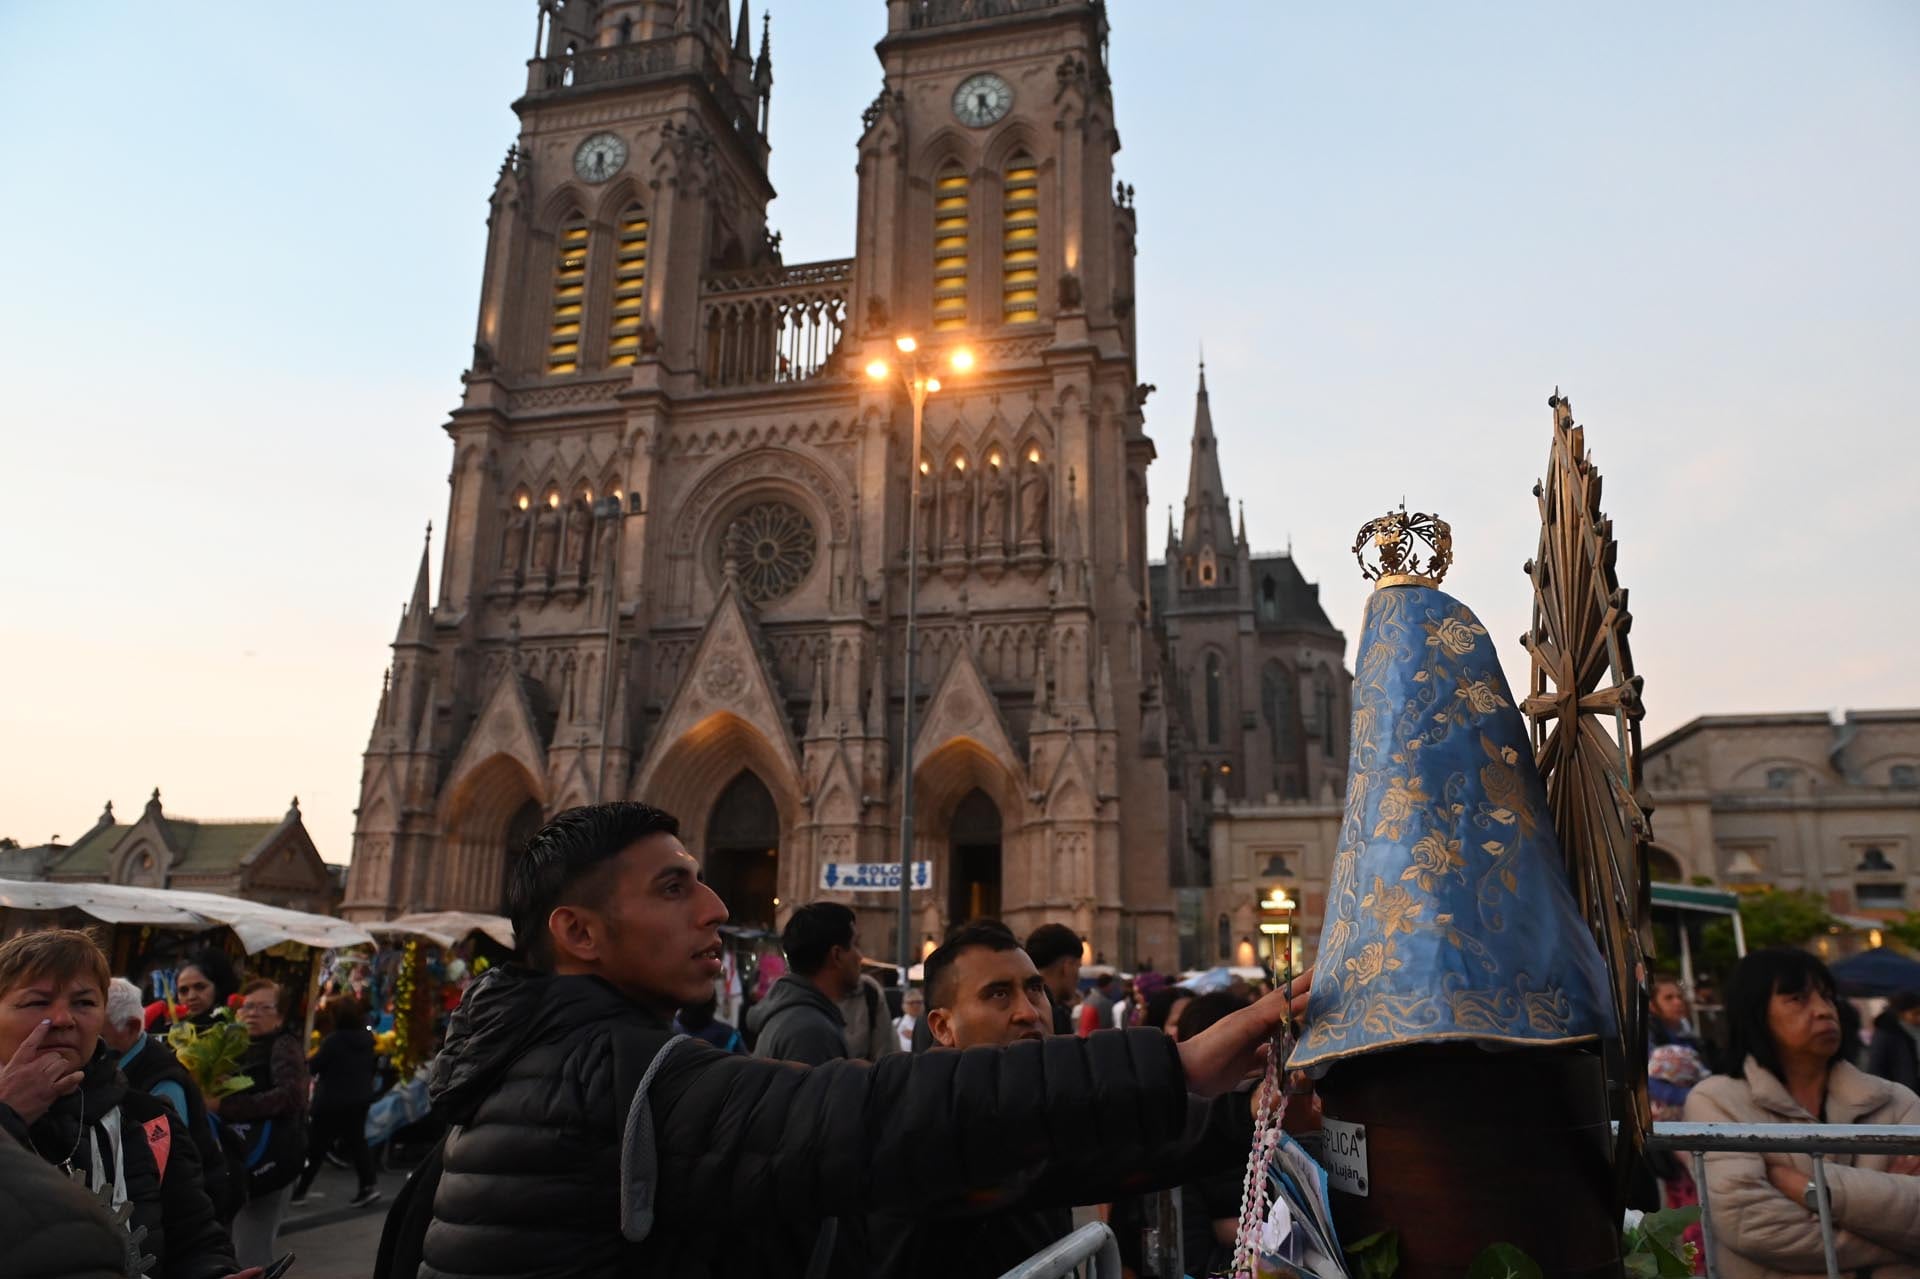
x=982, y=100
x=599, y=157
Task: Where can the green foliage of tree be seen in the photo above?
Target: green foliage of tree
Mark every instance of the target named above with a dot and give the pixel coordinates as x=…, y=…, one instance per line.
x=1772, y=918
x=1906, y=931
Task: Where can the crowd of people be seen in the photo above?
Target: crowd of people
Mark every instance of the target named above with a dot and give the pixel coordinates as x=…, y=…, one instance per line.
x=602, y=1119
x=91, y=1086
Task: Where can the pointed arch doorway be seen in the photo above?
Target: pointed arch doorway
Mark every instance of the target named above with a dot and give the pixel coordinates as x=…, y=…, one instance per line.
x=742, y=856
x=973, y=860
x=521, y=828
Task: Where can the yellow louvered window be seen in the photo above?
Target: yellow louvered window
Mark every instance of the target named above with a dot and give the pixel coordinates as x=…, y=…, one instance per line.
x=1020, y=243
x=629, y=281
x=950, y=248
x=569, y=297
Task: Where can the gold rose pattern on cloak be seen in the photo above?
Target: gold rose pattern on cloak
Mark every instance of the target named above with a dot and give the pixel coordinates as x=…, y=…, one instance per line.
x=1437, y=810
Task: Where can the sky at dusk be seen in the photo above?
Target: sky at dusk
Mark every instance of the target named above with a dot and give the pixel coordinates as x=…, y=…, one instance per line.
x=240, y=251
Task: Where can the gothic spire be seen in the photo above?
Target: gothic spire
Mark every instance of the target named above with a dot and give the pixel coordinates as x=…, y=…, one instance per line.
x=763, y=68
x=414, y=623
x=1209, y=519
x=743, y=35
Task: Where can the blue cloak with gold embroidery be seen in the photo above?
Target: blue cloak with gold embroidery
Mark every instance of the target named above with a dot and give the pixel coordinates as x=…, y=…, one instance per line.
x=1448, y=915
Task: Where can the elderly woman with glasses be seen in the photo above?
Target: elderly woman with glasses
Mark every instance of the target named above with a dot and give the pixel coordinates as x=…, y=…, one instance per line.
x=1786, y=1044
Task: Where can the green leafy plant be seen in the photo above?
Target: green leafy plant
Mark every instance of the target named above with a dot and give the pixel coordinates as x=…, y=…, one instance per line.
x=1375, y=1257
x=1503, y=1261
x=1654, y=1248
x=212, y=1054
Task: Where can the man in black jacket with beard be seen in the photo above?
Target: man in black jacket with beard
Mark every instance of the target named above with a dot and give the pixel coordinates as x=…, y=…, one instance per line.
x=983, y=989
x=580, y=1148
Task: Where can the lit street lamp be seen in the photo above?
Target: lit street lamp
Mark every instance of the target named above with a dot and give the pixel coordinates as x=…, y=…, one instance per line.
x=919, y=382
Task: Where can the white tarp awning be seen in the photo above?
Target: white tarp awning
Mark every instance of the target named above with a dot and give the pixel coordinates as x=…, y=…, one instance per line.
x=446, y=928
x=258, y=926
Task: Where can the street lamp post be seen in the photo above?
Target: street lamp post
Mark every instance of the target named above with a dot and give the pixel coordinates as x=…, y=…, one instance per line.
x=919, y=384
x=610, y=513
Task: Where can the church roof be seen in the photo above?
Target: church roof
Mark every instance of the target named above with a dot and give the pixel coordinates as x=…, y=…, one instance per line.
x=198, y=846
x=1295, y=603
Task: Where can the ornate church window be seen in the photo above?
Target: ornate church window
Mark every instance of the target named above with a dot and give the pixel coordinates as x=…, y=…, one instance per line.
x=569, y=296
x=771, y=546
x=1323, y=709
x=1020, y=242
x=950, y=247
x=1213, y=699
x=1277, y=707
x=629, y=282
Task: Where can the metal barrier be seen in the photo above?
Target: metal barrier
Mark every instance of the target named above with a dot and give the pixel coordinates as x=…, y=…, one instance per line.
x=1817, y=1140
x=1090, y=1252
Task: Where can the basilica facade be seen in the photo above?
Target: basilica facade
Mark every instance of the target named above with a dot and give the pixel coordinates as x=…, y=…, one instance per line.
x=676, y=559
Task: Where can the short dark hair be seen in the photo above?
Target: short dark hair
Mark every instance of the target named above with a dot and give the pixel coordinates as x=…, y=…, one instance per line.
x=1774, y=970
x=1206, y=1010
x=1104, y=980
x=812, y=932
x=980, y=934
x=564, y=858
x=1051, y=943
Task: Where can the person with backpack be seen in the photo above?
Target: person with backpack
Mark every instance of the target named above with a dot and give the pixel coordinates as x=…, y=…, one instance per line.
x=800, y=1019
x=62, y=1097
x=588, y=1140
x=269, y=1119
x=151, y=1067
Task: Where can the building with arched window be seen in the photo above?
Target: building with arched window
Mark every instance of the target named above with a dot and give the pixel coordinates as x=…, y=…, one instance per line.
x=675, y=557
x=1801, y=802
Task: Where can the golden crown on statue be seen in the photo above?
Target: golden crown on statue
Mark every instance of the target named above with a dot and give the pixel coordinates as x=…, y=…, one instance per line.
x=1408, y=550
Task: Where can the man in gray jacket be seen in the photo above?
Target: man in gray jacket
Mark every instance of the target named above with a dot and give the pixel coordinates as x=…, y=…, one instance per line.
x=800, y=1018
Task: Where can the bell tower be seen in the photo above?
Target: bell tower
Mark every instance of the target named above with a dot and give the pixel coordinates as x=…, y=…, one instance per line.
x=987, y=194
x=641, y=165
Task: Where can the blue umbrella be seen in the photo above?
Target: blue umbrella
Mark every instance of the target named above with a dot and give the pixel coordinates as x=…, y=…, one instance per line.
x=1877, y=972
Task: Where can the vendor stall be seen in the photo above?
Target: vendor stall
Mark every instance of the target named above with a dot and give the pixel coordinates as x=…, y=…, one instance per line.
x=148, y=931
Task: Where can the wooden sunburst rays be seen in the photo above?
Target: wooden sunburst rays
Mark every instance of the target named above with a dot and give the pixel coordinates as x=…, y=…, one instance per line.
x=1585, y=708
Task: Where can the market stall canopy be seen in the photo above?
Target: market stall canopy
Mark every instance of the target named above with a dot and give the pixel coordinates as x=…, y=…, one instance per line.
x=258, y=926
x=1877, y=972
x=447, y=928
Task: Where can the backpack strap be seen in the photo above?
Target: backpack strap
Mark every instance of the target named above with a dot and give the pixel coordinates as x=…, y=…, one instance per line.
x=639, y=1158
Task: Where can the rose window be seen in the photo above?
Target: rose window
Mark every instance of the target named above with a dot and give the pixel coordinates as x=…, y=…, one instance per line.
x=771, y=546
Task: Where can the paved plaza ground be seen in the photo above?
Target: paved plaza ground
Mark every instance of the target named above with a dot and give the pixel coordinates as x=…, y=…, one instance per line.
x=330, y=1239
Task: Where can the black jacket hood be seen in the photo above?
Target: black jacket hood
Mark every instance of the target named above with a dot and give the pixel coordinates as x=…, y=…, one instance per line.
x=508, y=1010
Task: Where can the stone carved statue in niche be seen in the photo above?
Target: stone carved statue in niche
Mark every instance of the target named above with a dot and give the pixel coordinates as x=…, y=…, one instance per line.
x=546, y=538
x=958, y=494
x=579, y=527
x=993, y=509
x=513, y=554
x=1033, y=506
x=929, y=509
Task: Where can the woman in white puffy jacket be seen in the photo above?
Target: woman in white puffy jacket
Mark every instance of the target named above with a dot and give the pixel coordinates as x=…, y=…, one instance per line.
x=1786, y=1040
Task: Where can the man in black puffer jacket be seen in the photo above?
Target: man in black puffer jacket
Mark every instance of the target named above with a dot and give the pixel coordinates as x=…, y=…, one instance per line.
x=53, y=1228
x=584, y=1145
